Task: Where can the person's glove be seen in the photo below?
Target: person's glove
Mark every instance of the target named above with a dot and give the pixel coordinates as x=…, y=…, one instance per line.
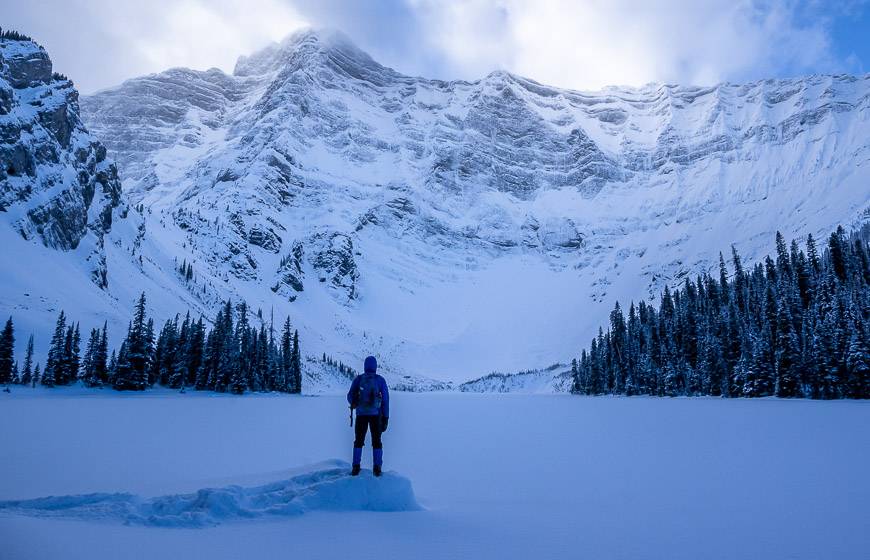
x=384, y=421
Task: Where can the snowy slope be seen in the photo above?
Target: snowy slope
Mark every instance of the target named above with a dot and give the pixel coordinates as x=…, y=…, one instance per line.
x=556, y=378
x=453, y=228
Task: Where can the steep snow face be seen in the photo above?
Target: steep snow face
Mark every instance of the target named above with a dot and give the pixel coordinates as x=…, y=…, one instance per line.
x=56, y=184
x=456, y=228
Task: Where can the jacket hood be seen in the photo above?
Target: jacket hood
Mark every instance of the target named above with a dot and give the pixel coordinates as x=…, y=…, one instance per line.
x=371, y=365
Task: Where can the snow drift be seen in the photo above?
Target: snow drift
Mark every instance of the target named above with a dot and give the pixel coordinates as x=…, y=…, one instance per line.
x=327, y=486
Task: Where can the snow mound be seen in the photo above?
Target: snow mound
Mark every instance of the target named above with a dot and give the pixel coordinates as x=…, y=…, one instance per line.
x=329, y=487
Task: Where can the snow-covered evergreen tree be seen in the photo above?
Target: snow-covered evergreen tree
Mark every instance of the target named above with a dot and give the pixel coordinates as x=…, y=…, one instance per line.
x=88, y=375
x=788, y=358
x=54, y=362
x=295, y=384
x=99, y=360
x=7, y=349
x=27, y=369
x=74, y=357
x=858, y=365
x=37, y=377
x=282, y=383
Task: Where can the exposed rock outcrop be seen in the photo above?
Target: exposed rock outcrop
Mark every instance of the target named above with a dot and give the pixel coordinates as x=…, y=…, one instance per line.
x=55, y=179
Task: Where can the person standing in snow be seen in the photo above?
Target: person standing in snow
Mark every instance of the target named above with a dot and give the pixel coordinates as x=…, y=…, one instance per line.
x=370, y=398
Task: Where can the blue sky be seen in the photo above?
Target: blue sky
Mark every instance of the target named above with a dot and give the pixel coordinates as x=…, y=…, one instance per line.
x=851, y=39
x=582, y=44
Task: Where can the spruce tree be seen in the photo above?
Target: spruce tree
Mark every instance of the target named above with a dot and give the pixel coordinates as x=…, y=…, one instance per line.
x=243, y=342
x=177, y=369
x=135, y=359
x=788, y=358
x=802, y=274
x=838, y=254
x=7, y=349
x=99, y=360
x=228, y=357
x=783, y=261
x=113, y=368
x=125, y=378
x=195, y=352
x=296, y=366
x=813, y=256
x=75, y=355
x=815, y=362
x=88, y=374
x=273, y=365
x=54, y=362
x=740, y=288
x=64, y=369
x=262, y=359
x=829, y=371
x=858, y=366
x=164, y=355
x=618, y=336
x=862, y=260
x=37, y=377
x=206, y=377
x=723, y=279
x=282, y=383
x=27, y=371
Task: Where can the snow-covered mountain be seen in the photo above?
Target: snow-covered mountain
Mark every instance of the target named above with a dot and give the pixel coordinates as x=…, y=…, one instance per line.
x=451, y=228
x=56, y=185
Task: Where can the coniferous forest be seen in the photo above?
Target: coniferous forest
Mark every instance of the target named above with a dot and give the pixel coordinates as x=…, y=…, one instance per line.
x=232, y=356
x=795, y=325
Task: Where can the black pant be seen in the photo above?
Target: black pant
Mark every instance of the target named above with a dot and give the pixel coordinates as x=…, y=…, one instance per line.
x=370, y=422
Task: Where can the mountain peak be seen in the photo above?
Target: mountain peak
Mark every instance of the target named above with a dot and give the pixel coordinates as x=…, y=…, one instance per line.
x=327, y=37
x=305, y=46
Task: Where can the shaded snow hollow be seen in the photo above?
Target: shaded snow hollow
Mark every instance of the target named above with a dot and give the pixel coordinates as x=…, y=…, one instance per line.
x=325, y=486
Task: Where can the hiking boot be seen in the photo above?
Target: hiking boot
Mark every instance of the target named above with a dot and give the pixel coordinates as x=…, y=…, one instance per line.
x=355, y=470
x=377, y=470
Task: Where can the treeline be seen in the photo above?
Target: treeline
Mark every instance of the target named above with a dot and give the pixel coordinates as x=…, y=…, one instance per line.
x=232, y=356
x=795, y=325
x=13, y=35
x=340, y=366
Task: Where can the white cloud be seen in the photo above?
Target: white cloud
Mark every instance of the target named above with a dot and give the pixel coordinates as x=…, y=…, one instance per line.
x=99, y=43
x=472, y=35
x=583, y=44
x=200, y=33
x=590, y=44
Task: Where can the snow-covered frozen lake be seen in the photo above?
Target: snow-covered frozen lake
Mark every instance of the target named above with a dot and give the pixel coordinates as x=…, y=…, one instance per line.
x=499, y=476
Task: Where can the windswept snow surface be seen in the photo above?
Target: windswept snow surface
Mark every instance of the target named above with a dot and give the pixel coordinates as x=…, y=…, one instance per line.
x=328, y=486
x=499, y=476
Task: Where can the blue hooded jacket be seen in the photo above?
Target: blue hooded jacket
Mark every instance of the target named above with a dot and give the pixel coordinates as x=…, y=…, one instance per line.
x=371, y=367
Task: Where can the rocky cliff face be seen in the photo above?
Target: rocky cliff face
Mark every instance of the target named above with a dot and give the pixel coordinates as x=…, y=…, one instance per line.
x=56, y=183
x=457, y=227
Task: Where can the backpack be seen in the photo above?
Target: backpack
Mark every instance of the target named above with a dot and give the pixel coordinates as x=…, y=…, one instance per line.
x=369, y=397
